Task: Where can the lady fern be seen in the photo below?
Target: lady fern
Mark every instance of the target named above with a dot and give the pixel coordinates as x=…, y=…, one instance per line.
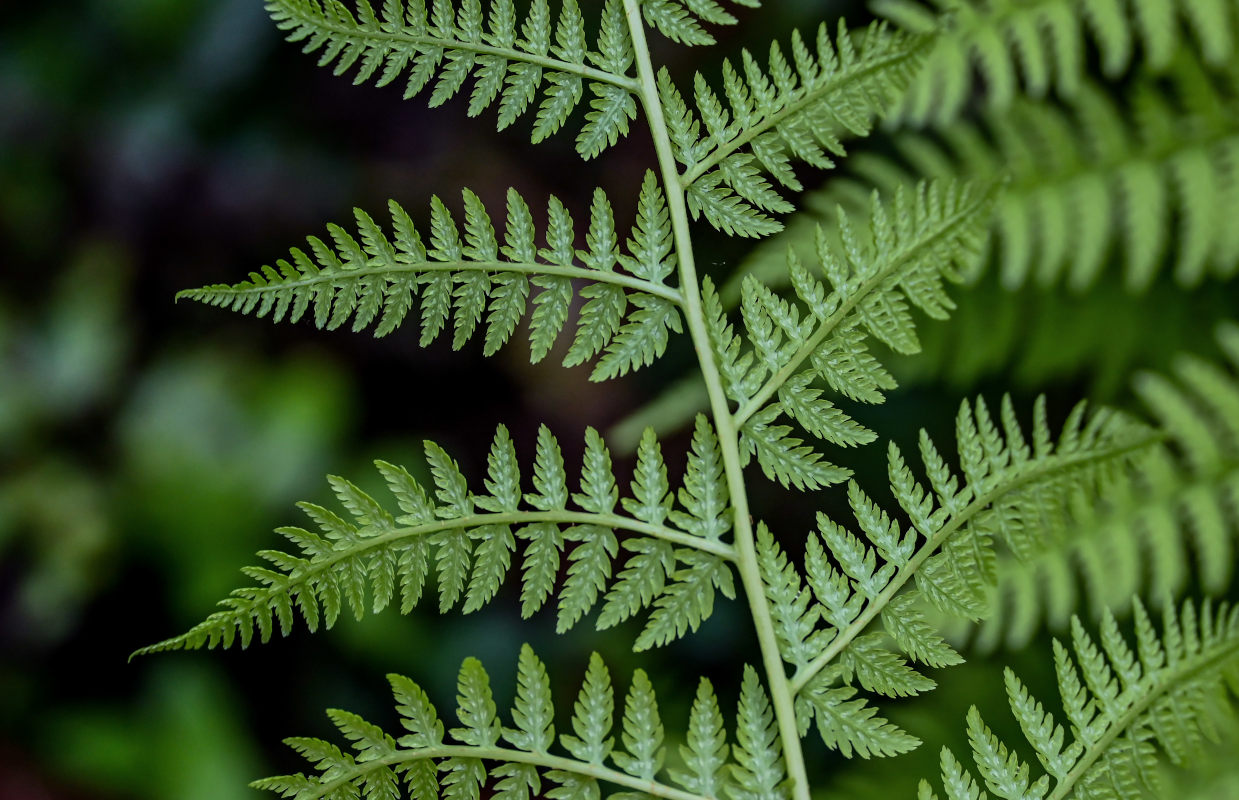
x=784, y=351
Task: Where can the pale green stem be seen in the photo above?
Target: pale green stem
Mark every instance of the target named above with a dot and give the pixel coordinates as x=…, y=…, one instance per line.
x=380, y=268
x=1049, y=466
x=746, y=553
x=544, y=760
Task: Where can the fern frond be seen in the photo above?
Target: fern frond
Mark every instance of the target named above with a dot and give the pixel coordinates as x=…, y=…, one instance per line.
x=758, y=772
x=1034, y=47
x=1122, y=708
x=733, y=148
x=521, y=758
x=473, y=282
x=470, y=542
x=684, y=21
x=872, y=281
x=1013, y=489
x=1151, y=188
x=1170, y=517
x=447, y=41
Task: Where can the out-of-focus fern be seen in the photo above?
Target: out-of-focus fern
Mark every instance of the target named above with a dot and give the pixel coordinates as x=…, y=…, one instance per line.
x=1086, y=186
x=628, y=315
x=1034, y=47
x=1122, y=708
x=1033, y=338
x=469, y=542
x=1168, y=518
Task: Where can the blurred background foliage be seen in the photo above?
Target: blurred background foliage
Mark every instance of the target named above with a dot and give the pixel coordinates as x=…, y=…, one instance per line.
x=147, y=450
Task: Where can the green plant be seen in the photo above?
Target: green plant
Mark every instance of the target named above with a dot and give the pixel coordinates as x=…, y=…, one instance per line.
x=848, y=621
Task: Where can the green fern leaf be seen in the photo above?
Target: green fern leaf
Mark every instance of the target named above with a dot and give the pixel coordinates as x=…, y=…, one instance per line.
x=850, y=725
x=785, y=458
x=471, y=541
x=705, y=749
x=469, y=281
x=651, y=493
x=820, y=418
x=674, y=21
x=791, y=604
x=873, y=281
x=588, y=572
x=476, y=709
x=1167, y=520
x=473, y=756
x=641, y=340
x=707, y=511
x=509, y=64
x=801, y=109
x=1010, y=488
x=1122, y=708
x=913, y=634
x=643, y=730
x=591, y=718
x=643, y=578
x=880, y=671
x=758, y=772
x=533, y=712
x=687, y=599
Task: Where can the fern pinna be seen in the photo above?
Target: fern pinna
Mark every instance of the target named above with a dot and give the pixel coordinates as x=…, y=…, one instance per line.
x=787, y=349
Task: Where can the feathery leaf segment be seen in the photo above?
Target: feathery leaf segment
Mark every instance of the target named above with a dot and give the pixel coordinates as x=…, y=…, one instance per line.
x=872, y=282
x=733, y=152
x=1169, y=517
x=475, y=282
x=1122, y=708
x=1013, y=491
x=510, y=60
x=468, y=542
x=523, y=757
